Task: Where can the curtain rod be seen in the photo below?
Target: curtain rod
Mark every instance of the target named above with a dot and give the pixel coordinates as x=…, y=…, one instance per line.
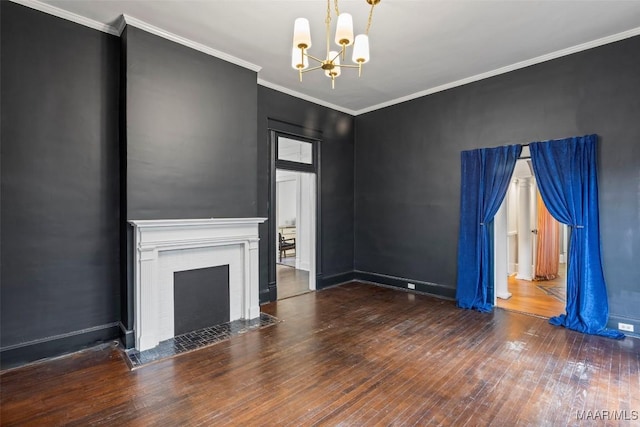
x=558, y=139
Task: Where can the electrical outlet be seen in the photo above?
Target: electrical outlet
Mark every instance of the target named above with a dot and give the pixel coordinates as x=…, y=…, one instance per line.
x=625, y=327
x=412, y=286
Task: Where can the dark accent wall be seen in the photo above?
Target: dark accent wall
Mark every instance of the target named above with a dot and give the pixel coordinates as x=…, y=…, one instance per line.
x=336, y=198
x=96, y=130
x=190, y=132
x=59, y=222
x=407, y=163
x=189, y=139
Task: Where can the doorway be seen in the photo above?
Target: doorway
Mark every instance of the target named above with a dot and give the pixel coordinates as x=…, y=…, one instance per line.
x=295, y=221
x=293, y=215
x=530, y=249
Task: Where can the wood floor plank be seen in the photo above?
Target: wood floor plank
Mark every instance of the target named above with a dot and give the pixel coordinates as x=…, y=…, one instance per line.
x=355, y=354
x=528, y=296
x=291, y=281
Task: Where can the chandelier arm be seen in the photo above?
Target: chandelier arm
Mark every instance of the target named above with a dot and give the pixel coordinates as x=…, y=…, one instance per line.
x=314, y=58
x=312, y=69
x=348, y=66
x=337, y=56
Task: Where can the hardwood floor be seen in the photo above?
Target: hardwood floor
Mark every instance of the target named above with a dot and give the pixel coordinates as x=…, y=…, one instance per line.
x=536, y=297
x=290, y=261
x=354, y=354
x=291, y=281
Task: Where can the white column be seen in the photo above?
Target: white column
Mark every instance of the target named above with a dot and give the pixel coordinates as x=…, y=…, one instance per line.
x=512, y=228
x=525, y=256
x=533, y=225
x=304, y=228
x=252, y=302
x=300, y=220
x=312, y=231
x=148, y=306
x=500, y=253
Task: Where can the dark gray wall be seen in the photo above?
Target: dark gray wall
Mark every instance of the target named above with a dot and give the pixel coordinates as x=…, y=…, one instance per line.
x=188, y=138
x=190, y=132
x=59, y=181
x=408, y=162
x=189, y=149
x=336, y=198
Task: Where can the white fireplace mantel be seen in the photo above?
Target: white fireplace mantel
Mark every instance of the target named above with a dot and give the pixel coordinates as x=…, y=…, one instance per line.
x=162, y=247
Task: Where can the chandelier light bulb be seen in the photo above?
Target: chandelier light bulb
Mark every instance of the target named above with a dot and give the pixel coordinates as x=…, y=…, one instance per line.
x=344, y=30
x=298, y=60
x=361, y=49
x=301, y=34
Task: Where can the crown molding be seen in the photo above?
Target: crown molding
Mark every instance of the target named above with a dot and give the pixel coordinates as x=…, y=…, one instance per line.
x=121, y=23
x=125, y=20
x=134, y=22
x=69, y=16
x=300, y=95
x=518, y=65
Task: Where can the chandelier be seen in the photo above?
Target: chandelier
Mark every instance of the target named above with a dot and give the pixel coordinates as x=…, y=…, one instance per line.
x=344, y=37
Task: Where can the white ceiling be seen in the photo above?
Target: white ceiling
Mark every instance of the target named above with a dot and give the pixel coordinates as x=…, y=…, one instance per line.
x=417, y=47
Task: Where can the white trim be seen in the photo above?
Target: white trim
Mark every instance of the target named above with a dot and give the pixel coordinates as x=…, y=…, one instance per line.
x=129, y=20
x=162, y=247
x=296, y=94
x=155, y=223
x=69, y=16
x=500, y=253
x=121, y=23
x=135, y=22
x=518, y=65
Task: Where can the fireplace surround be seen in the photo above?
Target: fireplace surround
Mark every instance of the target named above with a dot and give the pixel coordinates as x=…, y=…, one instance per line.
x=163, y=247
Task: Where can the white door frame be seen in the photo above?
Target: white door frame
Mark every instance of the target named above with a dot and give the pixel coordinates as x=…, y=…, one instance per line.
x=306, y=233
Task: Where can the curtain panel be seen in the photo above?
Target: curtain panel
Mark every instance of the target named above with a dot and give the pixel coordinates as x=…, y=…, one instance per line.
x=485, y=177
x=566, y=172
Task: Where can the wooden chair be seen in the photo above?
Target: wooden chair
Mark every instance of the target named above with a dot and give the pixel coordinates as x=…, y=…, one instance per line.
x=285, y=245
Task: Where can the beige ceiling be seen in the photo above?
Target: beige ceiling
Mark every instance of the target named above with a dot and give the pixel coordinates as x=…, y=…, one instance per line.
x=417, y=47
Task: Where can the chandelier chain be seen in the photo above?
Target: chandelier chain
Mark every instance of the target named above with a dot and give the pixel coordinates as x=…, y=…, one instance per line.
x=336, y=6
x=327, y=20
x=370, y=18
x=328, y=24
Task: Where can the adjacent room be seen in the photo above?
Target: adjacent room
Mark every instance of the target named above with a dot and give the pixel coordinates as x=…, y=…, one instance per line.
x=357, y=212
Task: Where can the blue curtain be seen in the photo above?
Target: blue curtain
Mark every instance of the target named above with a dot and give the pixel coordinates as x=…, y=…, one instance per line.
x=485, y=178
x=567, y=179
